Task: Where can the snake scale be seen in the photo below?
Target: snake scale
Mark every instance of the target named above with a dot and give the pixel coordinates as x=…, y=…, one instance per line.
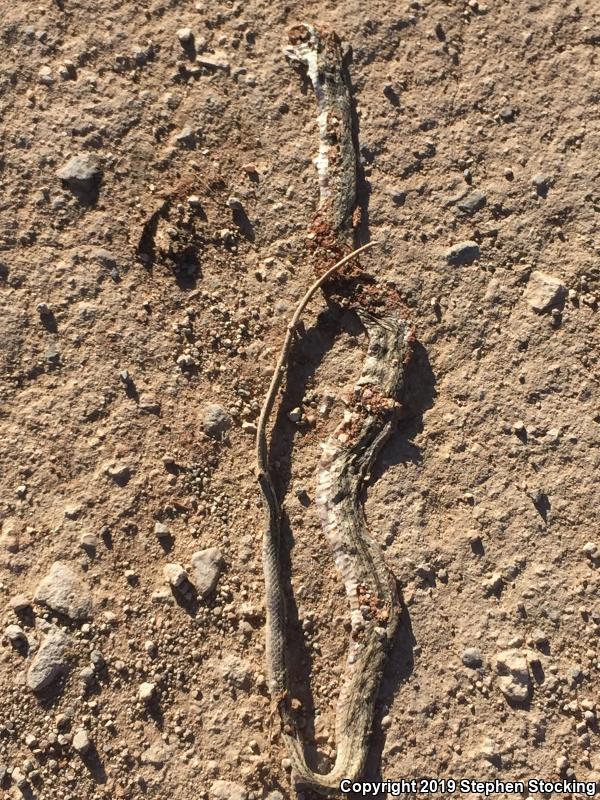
x=348, y=454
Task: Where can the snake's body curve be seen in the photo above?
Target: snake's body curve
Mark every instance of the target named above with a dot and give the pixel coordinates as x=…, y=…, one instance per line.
x=349, y=452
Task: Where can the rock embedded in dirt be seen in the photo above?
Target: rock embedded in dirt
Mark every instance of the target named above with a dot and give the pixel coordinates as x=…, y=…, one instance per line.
x=227, y=790
x=146, y=692
x=473, y=202
x=49, y=663
x=185, y=36
x=120, y=473
x=215, y=420
x=175, y=575
x=235, y=671
x=20, y=780
x=185, y=138
x=81, y=741
x=472, y=658
x=514, y=679
x=463, y=253
x=45, y=76
x=157, y=754
x=494, y=584
x=82, y=174
x=542, y=184
x=234, y=203
x=149, y=404
x=15, y=635
x=207, y=566
x=544, y=291
x=19, y=602
x=591, y=550
x=217, y=61
x=88, y=541
x=161, y=531
x=65, y=592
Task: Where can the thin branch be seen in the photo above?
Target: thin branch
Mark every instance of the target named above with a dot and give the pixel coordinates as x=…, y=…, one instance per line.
x=261, y=439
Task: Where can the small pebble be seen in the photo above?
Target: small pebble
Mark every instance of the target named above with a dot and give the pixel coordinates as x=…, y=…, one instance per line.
x=146, y=692
x=175, y=575
x=81, y=741
x=185, y=36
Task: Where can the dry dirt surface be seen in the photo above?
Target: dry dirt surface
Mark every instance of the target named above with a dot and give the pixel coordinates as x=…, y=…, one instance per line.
x=144, y=292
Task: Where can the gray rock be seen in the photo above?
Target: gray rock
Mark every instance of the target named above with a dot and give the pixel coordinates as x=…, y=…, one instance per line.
x=185, y=36
x=227, y=790
x=463, y=253
x=591, y=550
x=542, y=184
x=207, y=566
x=63, y=591
x=82, y=174
x=217, y=61
x=235, y=671
x=146, y=692
x=49, y=662
x=157, y=754
x=120, y=473
x=15, y=634
x=161, y=530
x=88, y=541
x=235, y=204
x=19, y=602
x=175, y=575
x=185, y=138
x=52, y=355
x=544, y=291
x=472, y=202
x=215, y=420
x=514, y=679
x=472, y=658
x=19, y=779
x=87, y=675
x=149, y=404
x=105, y=258
x=507, y=113
x=81, y=741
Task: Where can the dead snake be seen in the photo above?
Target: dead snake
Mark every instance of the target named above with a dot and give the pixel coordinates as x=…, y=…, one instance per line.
x=348, y=454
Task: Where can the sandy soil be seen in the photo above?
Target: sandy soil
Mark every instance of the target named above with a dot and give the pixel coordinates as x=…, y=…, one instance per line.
x=133, y=298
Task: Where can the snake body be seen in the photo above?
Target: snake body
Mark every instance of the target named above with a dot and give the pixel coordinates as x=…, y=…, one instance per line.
x=348, y=454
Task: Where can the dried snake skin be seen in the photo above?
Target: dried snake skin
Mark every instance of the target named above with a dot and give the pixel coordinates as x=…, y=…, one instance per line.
x=320, y=53
x=347, y=455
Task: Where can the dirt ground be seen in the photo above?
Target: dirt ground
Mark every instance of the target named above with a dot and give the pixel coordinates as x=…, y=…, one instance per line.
x=153, y=279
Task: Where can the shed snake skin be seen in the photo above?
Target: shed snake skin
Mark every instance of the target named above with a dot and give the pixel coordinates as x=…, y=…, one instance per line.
x=348, y=454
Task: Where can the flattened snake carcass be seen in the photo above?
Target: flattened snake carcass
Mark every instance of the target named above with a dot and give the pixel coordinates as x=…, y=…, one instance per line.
x=350, y=451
